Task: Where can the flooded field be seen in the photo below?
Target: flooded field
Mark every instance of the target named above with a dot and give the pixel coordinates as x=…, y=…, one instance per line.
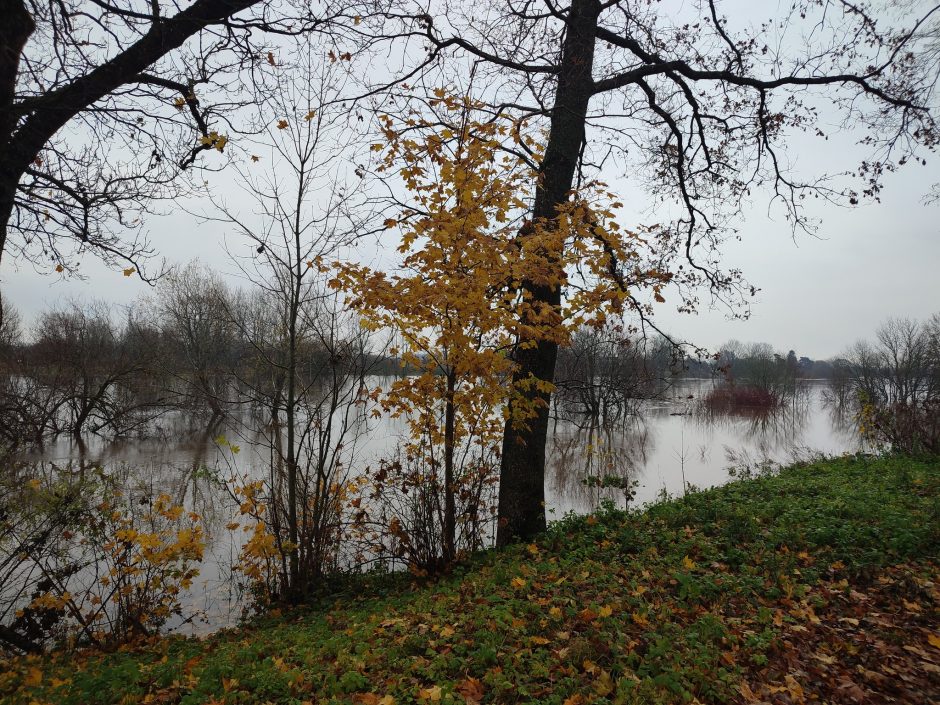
x=667, y=445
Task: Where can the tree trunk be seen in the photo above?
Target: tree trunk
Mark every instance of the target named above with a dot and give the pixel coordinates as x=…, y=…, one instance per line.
x=450, y=509
x=522, y=472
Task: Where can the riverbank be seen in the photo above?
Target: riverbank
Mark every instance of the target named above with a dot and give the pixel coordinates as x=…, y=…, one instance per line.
x=819, y=583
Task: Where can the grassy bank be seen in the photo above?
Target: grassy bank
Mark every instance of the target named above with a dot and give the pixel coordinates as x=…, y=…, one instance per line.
x=819, y=583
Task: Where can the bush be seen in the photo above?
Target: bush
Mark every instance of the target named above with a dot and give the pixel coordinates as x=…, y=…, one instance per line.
x=731, y=398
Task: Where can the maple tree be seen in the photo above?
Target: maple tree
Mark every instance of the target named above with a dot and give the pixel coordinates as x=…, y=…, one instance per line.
x=459, y=306
x=98, y=566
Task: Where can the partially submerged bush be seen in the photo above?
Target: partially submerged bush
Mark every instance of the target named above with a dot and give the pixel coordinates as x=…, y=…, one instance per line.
x=734, y=398
x=83, y=563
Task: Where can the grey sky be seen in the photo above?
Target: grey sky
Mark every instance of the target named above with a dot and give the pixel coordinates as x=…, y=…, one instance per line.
x=817, y=294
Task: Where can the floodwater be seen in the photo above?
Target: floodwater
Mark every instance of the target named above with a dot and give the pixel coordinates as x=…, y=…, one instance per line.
x=667, y=446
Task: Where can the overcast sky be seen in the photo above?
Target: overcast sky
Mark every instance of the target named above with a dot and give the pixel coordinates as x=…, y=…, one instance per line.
x=817, y=294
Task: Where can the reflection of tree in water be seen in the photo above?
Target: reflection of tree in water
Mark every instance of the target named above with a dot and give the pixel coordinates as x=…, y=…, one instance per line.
x=764, y=428
x=843, y=418
x=601, y=450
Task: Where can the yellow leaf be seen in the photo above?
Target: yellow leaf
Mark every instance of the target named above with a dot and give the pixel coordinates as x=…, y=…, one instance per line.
x=447, y=632
x=518, y=582
x=533, y=549
x=33, y=677
x=129, y=271
x=433, y=694
x=539, y=640
x=934, y=640
x=555, y=612
x=229, y=684
x=795, y=688
x=605, y=611
x=688, y=563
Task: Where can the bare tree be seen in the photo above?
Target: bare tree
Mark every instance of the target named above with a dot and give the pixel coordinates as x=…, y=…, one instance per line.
x=199, y=338
x=82, y=356
x=310, y=352
x=895, y=382
x=603, y=374
x=104, y=104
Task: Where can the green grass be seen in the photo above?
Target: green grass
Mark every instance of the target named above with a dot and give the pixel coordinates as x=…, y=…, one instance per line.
x=673, y=604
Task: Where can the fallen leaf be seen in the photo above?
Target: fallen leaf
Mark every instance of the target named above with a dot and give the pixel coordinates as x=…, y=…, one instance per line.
x=433, y=694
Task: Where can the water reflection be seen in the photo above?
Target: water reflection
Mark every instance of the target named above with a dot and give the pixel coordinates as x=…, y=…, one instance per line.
x=676, y=442
x=666, y=445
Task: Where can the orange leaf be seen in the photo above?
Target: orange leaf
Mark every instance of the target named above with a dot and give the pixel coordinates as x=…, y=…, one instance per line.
x=471, y=689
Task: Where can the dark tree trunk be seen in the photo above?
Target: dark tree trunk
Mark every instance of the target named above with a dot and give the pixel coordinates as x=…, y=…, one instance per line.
x=522, y=474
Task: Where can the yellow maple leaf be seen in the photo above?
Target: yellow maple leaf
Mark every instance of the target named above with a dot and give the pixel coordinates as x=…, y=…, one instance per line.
x=518, y=582
x=605, y=611
x=688, y=563
x=432, y=694
x=934, y=640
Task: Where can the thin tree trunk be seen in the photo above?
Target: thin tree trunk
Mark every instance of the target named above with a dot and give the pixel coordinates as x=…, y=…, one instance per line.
x=450, y=509
x=522, y=472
